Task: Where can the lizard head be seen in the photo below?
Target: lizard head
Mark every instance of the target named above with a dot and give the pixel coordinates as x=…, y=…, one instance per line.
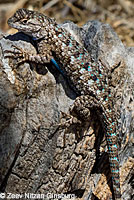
x=31, y=23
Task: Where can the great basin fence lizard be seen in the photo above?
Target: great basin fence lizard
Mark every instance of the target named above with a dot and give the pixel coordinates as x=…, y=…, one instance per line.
x=88, y=79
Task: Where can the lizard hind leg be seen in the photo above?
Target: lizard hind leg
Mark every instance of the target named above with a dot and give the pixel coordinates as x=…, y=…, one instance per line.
x=83, y=105
x=79, y=111
x=79, y=115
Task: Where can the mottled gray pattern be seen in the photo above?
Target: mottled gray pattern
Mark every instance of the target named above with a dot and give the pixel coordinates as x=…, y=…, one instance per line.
x=88, y=78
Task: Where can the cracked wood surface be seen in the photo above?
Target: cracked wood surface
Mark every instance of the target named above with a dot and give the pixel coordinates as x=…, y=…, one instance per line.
x=37, y=156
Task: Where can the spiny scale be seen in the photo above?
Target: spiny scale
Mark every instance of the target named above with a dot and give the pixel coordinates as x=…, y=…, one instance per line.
x=86, y=77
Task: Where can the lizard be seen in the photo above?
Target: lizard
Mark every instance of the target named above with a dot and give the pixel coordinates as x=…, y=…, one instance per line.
x=89, y=79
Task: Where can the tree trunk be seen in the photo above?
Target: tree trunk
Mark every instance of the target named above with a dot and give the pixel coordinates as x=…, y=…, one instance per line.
x=38, y=155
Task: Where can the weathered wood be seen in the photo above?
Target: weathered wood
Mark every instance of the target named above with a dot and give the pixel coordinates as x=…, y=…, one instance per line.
x=36, y=156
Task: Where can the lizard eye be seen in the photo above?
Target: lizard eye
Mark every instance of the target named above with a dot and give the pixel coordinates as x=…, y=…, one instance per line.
x=24, y=20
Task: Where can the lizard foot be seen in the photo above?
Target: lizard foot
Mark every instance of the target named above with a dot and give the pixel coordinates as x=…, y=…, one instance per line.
x=67, y=120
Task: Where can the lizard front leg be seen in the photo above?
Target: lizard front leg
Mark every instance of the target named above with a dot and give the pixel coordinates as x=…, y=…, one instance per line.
x=23, y=56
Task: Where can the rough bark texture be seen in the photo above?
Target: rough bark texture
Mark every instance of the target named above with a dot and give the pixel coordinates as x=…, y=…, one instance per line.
x=36, y=154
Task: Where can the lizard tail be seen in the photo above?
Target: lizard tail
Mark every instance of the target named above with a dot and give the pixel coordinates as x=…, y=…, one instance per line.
x=114, y=162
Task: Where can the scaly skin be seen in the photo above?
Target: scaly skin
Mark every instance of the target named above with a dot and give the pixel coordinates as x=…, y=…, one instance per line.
x=88, y=79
